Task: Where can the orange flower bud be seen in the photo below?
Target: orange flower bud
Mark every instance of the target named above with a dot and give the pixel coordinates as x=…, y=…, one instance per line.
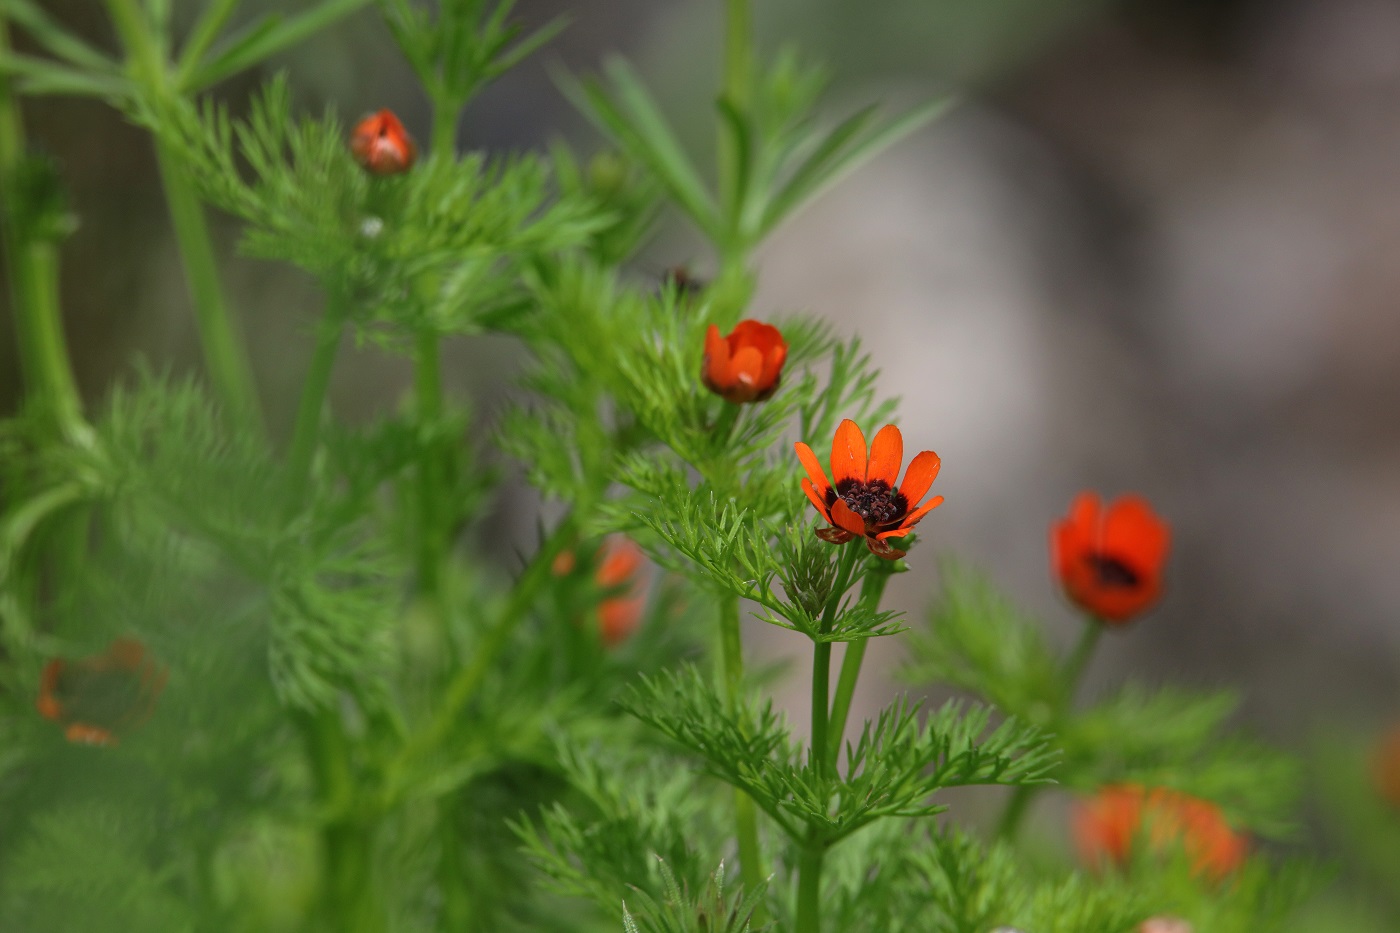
x=747, y=365
x=381, y=144
x=619, y=616
x=1106, y=828
x=1110, y=561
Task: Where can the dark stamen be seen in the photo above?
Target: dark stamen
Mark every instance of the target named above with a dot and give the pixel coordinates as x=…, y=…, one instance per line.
x=1112, y=572
x=875, y=501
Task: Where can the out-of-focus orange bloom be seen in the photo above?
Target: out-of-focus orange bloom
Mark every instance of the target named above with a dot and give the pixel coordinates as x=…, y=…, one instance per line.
x=618, y=572
x=747, y=365
x=380, y=143
x=1165, y=925
x=1106, y=828
x=1385, y=767
x=863, y=502
x=619, y=616
x=97, y=698
x=1110, y=560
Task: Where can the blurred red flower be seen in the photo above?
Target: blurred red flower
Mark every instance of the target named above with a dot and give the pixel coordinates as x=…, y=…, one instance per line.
x=1110, y=560
x=381, y=145
x=98, y=697
x=618, y=575
x=1108, y=826
x=747, y=365
x=863, y=502
x=1385, y=767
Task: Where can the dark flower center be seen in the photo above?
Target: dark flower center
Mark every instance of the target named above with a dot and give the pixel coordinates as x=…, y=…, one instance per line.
x=874, y=501
x=1113, y=573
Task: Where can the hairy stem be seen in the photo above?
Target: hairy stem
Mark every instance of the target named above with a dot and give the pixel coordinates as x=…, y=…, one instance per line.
x=31, y=264
x=1073, y=673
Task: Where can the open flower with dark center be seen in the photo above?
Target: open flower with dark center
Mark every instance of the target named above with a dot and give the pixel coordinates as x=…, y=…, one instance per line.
x=863, y=502
x=1110, y=560
x=747, y=365
x=97, y=698
x=381, y=145
x=1123, y=816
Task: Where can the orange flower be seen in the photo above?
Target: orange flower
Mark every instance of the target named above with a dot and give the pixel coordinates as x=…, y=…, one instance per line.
x=747, y=365
x=98, y=697
x=1385, y=767
x=1108, y=826
x=863, y=502
x=619, y=616
x=381, y=144
x=1110, y=560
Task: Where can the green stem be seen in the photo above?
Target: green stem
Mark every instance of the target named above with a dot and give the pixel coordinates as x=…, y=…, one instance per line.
x=486, y=653
x=32, y=265
x=224, y=350
x=821, y=696
x=445, y=115
x=428, y=389
x=1072, y=674
x=348, y=900
x=745, y=814
x=871, y=591
x=738, y=78
x=809, y=888
x=307, y=432
x=225, y=354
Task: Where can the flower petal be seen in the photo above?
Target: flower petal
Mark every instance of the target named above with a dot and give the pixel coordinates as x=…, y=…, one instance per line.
x=920, y=476
x=746, y=369
x=886, y=455
x=813, y=467
x=716, y=359
x=843, y=517
x=911, y=519
x=848, y=453
x=835, y=535
x=1133, y=532
x=816, y=498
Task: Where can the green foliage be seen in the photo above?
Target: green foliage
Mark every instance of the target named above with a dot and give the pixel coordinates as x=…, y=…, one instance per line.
x=711, y=912
x=897, y=763
x=1171, y=737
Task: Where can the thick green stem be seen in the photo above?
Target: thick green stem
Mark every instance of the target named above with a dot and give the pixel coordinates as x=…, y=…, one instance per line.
x=809, y=888
x=445, y=115
x=738, y=78
x=225, y=353
x=31, y=263
x=307, y=432
x=1072, y=674
x=348, y=896
x=821, y=696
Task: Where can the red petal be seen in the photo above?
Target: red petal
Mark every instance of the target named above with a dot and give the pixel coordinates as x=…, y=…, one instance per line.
x=716, y=360
x=843, y=517
x=813, y=467
x=848, y=453
x=886, y=455
x=817, y=500
x=835, y=535
x=1133, y=533
x=920, y=476
x=883, y=550
x=912, y=519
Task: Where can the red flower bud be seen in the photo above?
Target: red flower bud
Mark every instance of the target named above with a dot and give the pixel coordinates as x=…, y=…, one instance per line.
x=747, y=365
x=381, y=144
x=1120, y=816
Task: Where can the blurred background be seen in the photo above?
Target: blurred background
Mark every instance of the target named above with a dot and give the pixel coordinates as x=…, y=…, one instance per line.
x=1154, y=248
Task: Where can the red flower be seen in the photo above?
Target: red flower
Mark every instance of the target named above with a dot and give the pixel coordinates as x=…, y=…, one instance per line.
x=1110, y=560
x=381, y=144
x=863, y=502
x=1119, y=816
x=1385, y=767
x=99, y=697
x=619, y=616
x=747, y=365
